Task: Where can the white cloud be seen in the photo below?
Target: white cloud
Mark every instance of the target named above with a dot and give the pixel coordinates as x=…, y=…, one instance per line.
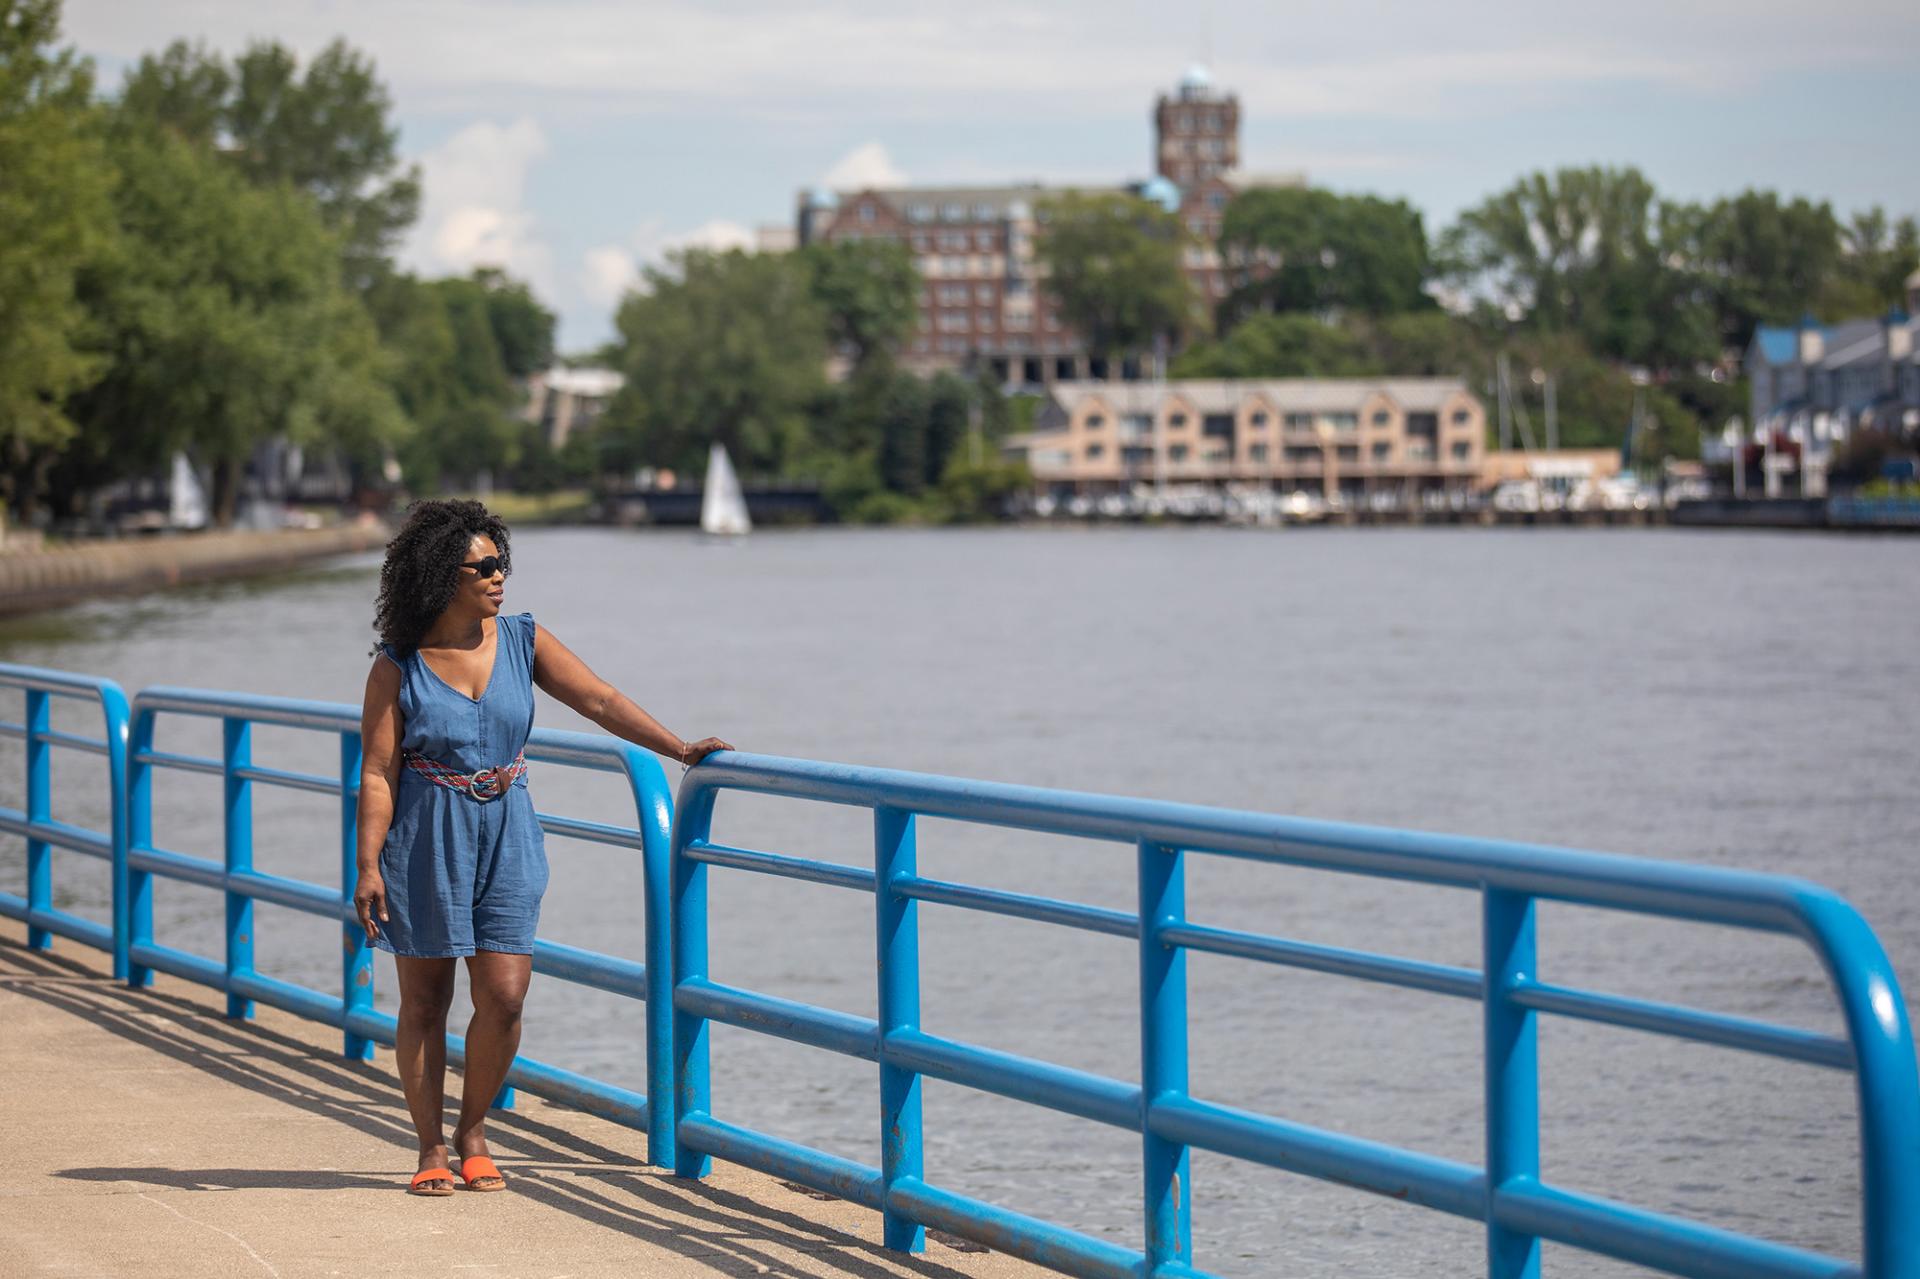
x=473, y=205
x=608, y=271
x=867, y=165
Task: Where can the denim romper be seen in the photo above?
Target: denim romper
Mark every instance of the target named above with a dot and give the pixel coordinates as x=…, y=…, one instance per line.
x=464, y=874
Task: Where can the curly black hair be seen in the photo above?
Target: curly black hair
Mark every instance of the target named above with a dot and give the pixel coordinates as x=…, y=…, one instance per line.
x=422, y=567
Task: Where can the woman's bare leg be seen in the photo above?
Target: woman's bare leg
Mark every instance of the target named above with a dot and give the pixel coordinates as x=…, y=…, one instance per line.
x=420, y=1050
x=498, y=983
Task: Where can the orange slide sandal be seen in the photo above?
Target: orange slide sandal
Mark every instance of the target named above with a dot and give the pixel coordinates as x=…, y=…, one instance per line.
x=433, y=1182
x=475, y=1169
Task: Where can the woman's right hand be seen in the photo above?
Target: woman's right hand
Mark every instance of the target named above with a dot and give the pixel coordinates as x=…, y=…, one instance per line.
x=370, y=901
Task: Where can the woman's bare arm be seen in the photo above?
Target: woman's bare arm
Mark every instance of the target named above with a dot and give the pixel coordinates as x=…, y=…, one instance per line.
x=568, y=680
x=380, y=724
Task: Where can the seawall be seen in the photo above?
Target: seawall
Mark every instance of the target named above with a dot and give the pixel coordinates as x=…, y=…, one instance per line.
x=38, y=579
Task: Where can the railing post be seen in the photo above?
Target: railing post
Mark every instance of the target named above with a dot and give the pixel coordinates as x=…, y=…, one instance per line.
x=692, y=820
x=113, y=706
x=236, y=754
x=356, y=956
x=1167, y=1181
x=653, y=810
x=897, y=922
x=1512, y=1074
x=39, y=809
x=139, y=890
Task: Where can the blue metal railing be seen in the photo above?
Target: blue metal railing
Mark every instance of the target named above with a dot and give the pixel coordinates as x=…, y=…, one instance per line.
x=1507, y=1195
x=42, y=830
x=1518, y=1209
x=137, y=860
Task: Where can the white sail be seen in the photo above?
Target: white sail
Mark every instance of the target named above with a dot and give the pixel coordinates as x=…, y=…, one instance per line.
x=723, y=508
x=187, y=501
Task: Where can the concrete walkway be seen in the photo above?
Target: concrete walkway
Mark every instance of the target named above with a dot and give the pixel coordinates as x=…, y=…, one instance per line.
x=142, y=1134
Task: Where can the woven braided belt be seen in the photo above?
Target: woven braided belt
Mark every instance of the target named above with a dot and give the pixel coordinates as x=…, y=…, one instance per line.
x=488, y=783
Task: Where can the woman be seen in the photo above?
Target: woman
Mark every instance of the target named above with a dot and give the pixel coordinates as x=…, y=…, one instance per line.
x=451, y=859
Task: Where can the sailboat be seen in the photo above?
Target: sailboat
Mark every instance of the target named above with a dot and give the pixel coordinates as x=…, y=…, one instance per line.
x=723, y=508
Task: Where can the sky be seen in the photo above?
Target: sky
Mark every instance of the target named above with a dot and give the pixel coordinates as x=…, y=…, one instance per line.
x=573, y=142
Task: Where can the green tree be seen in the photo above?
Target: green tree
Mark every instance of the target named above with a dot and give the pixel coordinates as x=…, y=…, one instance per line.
x=1576, y=252
x=326, y=132
x=55, y=218
x=867, y=289
x=224, y=322
x=1313, y=250
x=1877, y=255
x=728, y=347
x=1752, y=259
x=1113, y=264
x=1284, y=345
x=522, y=328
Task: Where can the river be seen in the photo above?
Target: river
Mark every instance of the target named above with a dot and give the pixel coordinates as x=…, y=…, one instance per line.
x=1739, y=699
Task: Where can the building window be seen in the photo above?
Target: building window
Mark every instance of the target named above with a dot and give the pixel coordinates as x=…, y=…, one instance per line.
x=1258, y=419
x=866, y=213
x=1096, y=450
x=920, y=243
x=1423, y=424
x=1217, y=425
x=1349, y=452
x=1257, y=453
x=1136, y=425
x=984, y=320
x=953, y=321
x=1462, y=450
x=1299, y=453
x=1461, y=417
x=1381, y=417
x=954, y=213
x=1177, y=453
x=985, y=213
x=1344, y=421
x=1299, y=421
x=983, y=240
x=983, y=293
x=1216, y=200
x=1382, y=450
x=1177, y=420
x=1095, y=421
x=919, y=213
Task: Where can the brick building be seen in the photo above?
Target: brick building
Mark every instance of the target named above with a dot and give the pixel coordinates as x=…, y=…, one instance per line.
x=981, y=298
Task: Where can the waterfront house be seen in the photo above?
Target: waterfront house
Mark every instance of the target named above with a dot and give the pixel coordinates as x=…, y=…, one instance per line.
x=1813, y=385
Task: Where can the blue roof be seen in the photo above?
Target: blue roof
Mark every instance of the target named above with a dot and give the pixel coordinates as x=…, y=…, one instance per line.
x=1777, y=345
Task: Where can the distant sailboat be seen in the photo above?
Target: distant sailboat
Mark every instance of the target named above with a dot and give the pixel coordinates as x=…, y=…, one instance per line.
x=723, y=508
x=186, y=500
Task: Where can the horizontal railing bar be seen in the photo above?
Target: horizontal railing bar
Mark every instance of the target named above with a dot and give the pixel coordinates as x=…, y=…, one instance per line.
x=57, y=921
x=1688, y=1023
x=595, y=832
x=1062, y=1088
x=59, y=683
x=1442, y=979
x=54, y=736
x=1652, y=1239
x=181, y=866
x=1406, y=1175
x=1046, y=910
x=179, y=963
x=180, y=763
x=1707, y=893
x=590, y=968
x=837, y=874
x=255, y=708
x=1013, y=1233
x=785, y=1018
x=294, y=893
x=58, y=833
x=289, y=779
x=830, y=1174
x=543, y=1079
x=288, y=997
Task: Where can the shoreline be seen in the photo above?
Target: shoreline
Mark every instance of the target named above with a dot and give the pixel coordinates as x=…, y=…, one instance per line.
x=40, y=579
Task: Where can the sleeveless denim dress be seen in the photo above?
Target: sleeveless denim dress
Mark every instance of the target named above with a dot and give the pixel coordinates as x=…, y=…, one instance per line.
x=464, y=874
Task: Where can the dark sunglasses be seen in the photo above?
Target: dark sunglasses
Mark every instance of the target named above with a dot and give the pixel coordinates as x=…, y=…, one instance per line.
x=485, y=567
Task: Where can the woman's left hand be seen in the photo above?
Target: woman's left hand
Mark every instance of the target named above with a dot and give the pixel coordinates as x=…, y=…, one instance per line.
x=697, y=751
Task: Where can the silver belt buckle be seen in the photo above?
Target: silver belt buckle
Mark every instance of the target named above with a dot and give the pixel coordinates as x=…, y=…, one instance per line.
x=488, y=783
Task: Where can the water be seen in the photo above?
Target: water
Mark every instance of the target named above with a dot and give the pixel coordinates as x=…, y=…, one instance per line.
x=1730, y=698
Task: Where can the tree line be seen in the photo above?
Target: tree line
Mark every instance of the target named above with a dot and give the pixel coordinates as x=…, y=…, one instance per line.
x=202, y=261
x=1586, y=275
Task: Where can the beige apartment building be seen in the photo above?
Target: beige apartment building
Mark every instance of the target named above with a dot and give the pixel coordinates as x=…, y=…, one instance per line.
x=1346, y=436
